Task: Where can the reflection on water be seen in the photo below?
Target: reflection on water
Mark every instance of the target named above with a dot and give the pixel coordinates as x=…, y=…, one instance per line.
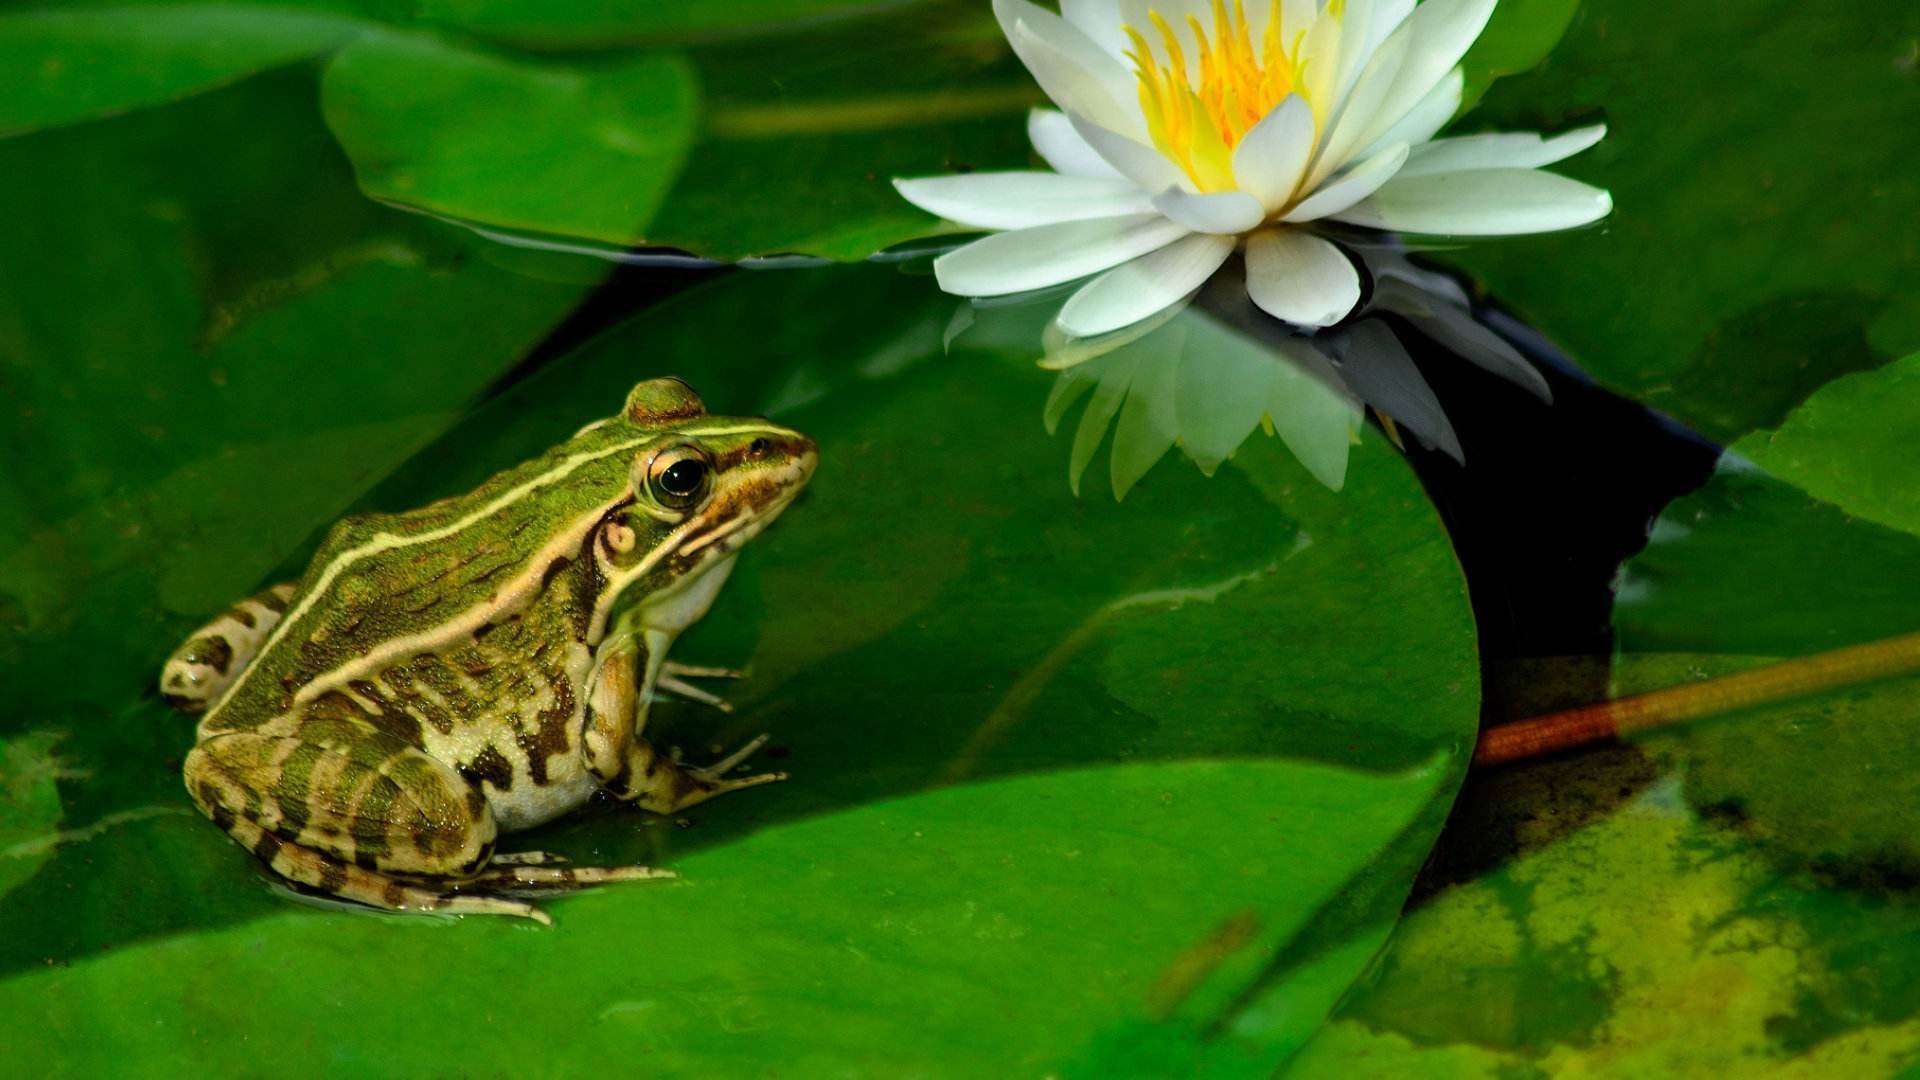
x=1206, y=374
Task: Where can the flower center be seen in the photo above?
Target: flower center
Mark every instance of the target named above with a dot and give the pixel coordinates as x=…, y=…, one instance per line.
x=1197, y=119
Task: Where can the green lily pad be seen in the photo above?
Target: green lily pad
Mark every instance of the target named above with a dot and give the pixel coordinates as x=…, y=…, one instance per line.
x=30, y=772
x=1805, y=539
x=196, y=380
x=904, y=935
x=1038, y=742
x=1653, y=942
x=1520, y=35
x=577, y=150
x=805, y=131
x=556, y=24
x=1846, y=445
x=67, y=66
x=1733, y=896
x=1753, y=253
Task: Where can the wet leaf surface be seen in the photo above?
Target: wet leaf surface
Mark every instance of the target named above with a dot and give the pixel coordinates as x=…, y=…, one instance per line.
x=196, y=380
x=1028, y=731
x=574, y=150
x=1735, y=896
x=1753, y=255
x=69, y=66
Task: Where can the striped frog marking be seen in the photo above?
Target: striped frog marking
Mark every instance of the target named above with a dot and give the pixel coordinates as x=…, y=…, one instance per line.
x=483, y=664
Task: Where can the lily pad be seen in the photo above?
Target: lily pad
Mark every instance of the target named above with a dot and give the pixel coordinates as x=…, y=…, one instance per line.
x=804, y=131
x=1847, y=446
x=66, y=66
x=196, y=379
x=1753, y=254
x=1141, y=748
x=30, y=774
x=574, y=150
x=1734, y=896
x=587, y=24
x=1650, y=943
x=1807, y=537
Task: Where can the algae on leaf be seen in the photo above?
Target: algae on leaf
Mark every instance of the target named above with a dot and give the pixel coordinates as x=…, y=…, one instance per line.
x=1742, y=901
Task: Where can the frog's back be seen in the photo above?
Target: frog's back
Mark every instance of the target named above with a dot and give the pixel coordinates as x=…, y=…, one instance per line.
x=385, y=586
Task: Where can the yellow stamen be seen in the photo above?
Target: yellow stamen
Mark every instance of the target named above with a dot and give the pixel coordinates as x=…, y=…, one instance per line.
x=1197, y=116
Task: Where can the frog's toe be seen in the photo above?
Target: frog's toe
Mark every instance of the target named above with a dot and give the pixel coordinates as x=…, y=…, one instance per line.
x=560, y=878
x=733, y=761
x=673, y=678
x=697, y=671
x=681, y=688
x=527, y=858
x=713, y=778
x=460, y=904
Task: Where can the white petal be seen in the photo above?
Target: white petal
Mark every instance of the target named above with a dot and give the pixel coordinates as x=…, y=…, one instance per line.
x=1505, y=150
x=1299, y=277
x=1077, y=74
x=1062, y=147
x=1356, y=24
x=1481, y=202
x=1144, y=287
x=1320, y=59
x=1387, y=17
x=1428, y=117
x=1220, y=212
x=1134, y=160
x=1101, y=22
x=1348, y=129
x=1018, y=200
x=1441, y=31
x=1359, y=182
x=1273, y=154
x=1044, y=255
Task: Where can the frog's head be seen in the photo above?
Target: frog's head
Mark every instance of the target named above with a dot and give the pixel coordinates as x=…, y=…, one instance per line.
x=700, y=487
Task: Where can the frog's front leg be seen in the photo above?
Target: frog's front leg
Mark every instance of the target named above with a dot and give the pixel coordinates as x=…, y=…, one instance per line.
x=626, y=764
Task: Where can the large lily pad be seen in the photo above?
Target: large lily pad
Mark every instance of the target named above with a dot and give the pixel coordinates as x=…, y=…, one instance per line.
x=577, y=150
x=196, y=377
x=1754, y=252
x=1073, y=775
x=66, y=66
x=1732, y=897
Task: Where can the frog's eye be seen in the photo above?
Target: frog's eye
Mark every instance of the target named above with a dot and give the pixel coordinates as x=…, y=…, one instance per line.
x=679, y=477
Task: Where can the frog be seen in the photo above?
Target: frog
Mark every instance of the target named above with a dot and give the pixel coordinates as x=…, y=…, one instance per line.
x=443, y=677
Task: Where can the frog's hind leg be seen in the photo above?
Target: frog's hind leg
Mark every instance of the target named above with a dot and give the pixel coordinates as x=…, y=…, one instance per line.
x=371, y=819
x=208, y=662
x=310, y=869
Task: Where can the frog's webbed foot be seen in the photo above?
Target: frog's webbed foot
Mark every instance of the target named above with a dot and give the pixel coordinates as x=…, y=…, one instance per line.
x=673, y=678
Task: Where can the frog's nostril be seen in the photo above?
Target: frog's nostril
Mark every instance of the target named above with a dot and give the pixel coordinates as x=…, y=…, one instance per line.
x=758, y=448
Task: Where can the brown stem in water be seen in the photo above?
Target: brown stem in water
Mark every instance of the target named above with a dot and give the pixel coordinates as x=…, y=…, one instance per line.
x=1789, y=679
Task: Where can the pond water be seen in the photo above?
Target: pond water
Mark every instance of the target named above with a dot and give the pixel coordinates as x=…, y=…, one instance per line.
x=1129, y=689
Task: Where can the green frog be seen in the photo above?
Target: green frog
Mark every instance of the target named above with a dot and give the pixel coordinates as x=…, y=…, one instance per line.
x=483, y=664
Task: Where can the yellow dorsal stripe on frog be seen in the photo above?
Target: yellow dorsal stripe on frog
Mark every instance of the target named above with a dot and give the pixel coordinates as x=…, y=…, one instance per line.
x=389, y=541
x=516, y=594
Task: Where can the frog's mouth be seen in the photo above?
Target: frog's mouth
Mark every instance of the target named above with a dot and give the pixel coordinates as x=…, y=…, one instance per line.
x=728, y=535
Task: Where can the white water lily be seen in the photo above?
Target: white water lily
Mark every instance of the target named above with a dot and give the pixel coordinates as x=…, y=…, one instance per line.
x=1190, y=129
